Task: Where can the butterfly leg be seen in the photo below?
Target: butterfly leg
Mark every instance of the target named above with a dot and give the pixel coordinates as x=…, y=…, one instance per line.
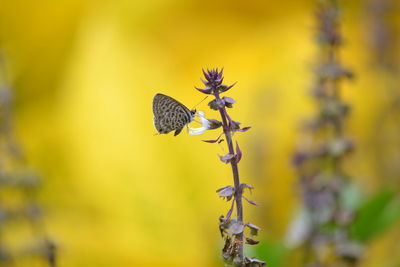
x=178, y=131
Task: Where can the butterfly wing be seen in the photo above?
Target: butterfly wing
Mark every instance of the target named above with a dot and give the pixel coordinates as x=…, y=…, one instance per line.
x=159, y=110
x=169, y=114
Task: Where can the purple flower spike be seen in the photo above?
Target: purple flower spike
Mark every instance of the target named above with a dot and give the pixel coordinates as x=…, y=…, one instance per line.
x=213, y=81
x=232, y=229
x=205, y=90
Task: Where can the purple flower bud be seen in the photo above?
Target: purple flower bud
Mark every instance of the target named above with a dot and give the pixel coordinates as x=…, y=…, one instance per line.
x=244, y=129
x=226, y=192
x=216, y=104
x=223, y=88
x=205, y=90
x=228, y=101
x=214, y=124
x=299, y=158
x=213, y=82
x=227, y=158
x=333, y=71
x=235, y=125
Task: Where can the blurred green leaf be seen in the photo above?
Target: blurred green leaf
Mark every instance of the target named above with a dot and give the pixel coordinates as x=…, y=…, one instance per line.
x=376, y=215
x=274, y=253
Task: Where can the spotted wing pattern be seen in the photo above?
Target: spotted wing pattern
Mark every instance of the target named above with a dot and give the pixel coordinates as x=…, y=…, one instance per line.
x=169, y=114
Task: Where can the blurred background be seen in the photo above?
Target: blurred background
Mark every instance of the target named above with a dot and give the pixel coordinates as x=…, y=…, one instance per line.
x=83, y=75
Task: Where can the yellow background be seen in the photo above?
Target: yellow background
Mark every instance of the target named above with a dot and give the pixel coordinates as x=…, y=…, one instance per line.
x=84, y=75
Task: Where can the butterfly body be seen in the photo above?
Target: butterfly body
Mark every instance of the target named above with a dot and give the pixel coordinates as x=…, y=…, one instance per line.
x=170, y=114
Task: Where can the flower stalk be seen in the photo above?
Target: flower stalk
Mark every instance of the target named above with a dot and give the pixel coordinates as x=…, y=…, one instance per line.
x=319, y=162
x=232, y=230
x=235, y=172
x=16, y=176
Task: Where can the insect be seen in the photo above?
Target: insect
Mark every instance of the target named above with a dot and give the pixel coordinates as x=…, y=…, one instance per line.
x=169, y=114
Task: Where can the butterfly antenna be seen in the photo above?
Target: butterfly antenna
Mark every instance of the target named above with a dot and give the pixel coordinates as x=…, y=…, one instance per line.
x=199, y=102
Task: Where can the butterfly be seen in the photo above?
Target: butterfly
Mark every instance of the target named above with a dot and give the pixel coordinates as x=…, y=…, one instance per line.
x=169, y=114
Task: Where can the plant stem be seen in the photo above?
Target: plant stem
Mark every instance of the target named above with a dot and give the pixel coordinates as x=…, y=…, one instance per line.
x=235, y=172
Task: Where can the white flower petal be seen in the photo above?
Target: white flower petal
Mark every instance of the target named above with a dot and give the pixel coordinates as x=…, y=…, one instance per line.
x=197, y=131
x=204, y=122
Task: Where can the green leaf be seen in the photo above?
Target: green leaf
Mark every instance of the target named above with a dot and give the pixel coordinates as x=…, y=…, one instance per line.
x=389, y=215
x=375, y=216
x=274, y=253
